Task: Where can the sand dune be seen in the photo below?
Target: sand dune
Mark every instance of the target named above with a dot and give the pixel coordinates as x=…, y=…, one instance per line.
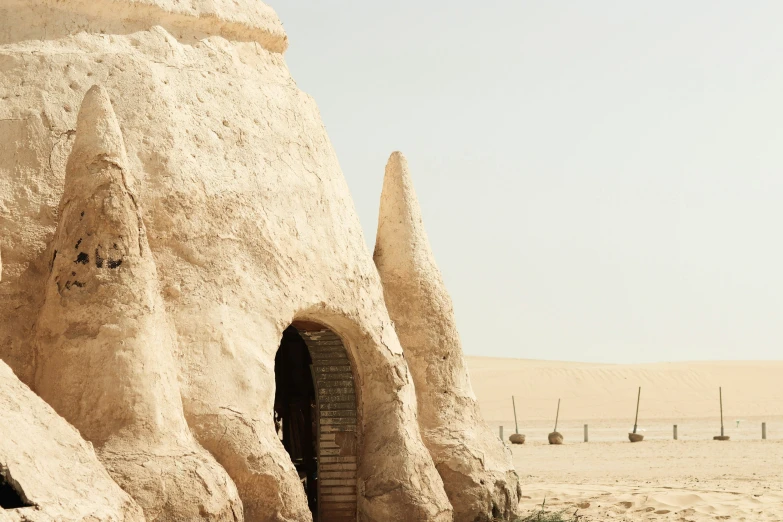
x=686, y=390
x=692, y=479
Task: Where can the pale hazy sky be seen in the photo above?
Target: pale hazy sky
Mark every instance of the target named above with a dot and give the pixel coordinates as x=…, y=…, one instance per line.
x=600, y=181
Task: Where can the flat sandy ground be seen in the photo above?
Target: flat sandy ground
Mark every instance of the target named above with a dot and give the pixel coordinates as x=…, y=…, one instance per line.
x=608, y=478
x=656, y=480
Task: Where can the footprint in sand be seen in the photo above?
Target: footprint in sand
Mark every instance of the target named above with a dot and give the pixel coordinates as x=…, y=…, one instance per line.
x=662, y=512
x=583, y=505
x=626, y=505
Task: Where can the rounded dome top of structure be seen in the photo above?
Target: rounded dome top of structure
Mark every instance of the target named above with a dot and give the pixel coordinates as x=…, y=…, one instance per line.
x=250, y=20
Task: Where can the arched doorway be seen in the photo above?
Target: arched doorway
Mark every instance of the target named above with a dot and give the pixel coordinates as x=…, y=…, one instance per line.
x=315, y=412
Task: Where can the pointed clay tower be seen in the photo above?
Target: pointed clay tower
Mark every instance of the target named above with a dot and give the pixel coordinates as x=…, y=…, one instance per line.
x=104, y=345
x=476, y=468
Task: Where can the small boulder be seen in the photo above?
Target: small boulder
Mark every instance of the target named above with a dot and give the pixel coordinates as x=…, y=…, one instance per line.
x=517, y=438
x=635, y=437
x=555, y=438
x=720, y=437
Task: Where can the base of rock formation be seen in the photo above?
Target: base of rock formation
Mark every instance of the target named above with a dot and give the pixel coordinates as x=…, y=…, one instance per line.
x=50, y=467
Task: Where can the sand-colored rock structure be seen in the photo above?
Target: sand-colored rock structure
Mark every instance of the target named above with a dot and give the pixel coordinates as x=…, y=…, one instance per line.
x=72, y=485
x=104, y=349
x=476, y=467
x=179, y=248
x=46, y=467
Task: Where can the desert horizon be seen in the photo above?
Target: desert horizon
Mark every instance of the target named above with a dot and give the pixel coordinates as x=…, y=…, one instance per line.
x=694, y=478
x=593, y=391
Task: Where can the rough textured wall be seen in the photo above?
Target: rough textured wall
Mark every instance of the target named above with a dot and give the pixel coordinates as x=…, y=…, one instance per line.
x=104, y=349
x=57, y=470
x=241, y=20
x=250, y=224
x=476, y=467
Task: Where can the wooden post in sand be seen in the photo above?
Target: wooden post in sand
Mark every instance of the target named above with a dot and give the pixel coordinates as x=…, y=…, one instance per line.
x=555, y=437
x=501, y=432
x=763, y=431
x=636, y=437
x=516, y=438
x=585, y=432
x=636, y=419
x=675, y=432
x=722, y=435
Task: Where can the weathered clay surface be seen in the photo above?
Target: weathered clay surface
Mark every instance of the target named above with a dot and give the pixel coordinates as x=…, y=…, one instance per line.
x=55, y=469
x=246, y=20
x=103, y=345
x=250, y=224
x=476, y=467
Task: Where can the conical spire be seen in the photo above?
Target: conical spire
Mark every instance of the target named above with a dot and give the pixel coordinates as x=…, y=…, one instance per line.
x=98, y=144
x=401, y=244
x=104, y=345
x=452, y=428
x=98, y=134
x=415, y=294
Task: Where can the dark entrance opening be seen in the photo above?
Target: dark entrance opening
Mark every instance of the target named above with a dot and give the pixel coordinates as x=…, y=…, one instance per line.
x=316, y=416
x=295, y=410
x=11, y=495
